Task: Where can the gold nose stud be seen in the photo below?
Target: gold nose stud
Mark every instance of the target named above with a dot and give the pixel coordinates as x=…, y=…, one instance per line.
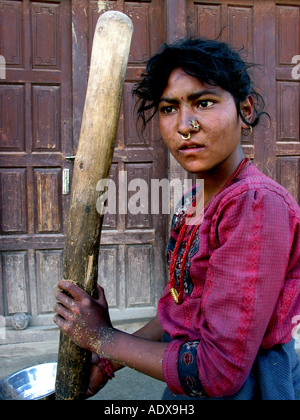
x=195, y=124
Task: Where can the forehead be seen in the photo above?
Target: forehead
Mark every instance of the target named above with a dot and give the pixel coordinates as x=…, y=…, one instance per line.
x=181, y=83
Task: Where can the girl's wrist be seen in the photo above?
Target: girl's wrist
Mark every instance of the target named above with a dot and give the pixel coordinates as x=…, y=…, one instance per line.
x=99, y=342
x=108, y=367
x=102, y=350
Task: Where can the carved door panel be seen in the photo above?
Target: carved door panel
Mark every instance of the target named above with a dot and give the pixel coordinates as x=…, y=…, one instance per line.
x=47, y=46
x=35, y=135
x=286, y=111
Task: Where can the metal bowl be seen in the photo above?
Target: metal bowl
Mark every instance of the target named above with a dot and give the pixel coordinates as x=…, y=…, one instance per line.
x=32, y=383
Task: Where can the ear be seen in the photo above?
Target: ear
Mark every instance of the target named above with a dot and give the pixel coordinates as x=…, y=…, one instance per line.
x=247, y=108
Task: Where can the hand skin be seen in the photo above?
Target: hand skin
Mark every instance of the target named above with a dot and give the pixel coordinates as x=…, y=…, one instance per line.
x=86, y=321
x=98, y=377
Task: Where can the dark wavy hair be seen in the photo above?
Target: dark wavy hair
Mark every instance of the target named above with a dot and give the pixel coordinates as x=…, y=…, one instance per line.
x=212, y=62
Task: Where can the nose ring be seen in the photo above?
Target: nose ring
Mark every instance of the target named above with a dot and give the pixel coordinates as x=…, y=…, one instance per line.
x=186, y=137
x=195, y=124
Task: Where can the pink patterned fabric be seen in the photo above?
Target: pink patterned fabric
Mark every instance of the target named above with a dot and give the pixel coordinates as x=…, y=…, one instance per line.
x=243, y=284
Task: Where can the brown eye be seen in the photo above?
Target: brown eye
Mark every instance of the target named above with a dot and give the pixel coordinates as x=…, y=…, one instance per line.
x=167, y=110
x=205, y=104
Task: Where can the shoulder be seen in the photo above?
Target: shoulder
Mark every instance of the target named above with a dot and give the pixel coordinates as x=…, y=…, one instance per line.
x=253, y=189
x=253, y=203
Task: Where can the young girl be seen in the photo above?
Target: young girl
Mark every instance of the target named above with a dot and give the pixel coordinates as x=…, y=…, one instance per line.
x=225, y=321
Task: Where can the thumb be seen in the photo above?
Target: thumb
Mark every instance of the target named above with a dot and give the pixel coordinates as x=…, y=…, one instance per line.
x=101, y=296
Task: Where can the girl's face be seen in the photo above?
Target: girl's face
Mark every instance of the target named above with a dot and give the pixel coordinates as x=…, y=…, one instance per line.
x=186, y=98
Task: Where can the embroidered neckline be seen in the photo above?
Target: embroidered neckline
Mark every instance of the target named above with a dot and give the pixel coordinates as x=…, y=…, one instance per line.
x=178, y=294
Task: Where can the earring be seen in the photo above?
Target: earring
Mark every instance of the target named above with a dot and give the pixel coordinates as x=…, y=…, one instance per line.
x=250, y=132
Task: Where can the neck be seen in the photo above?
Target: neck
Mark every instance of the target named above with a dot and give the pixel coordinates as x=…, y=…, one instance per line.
x=216, y=178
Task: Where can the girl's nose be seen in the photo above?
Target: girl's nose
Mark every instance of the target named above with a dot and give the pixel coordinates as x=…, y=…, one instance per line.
x=188, y=123
x=184, y=123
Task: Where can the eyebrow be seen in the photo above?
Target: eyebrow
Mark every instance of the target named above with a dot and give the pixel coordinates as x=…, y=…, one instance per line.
x=191, y=97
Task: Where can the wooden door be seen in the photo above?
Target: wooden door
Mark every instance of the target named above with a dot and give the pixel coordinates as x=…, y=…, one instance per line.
x=268, y=33
x=47, y=48
x=35, y=135
x=131, y=262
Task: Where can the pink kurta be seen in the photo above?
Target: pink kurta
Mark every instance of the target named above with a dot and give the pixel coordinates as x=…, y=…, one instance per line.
x=242, y=283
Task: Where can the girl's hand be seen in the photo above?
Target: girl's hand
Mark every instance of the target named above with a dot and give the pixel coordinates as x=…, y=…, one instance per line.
x=84, y=319
x=98, y=377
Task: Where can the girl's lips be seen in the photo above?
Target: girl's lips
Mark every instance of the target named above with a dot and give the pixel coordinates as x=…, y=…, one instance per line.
x=191, y=147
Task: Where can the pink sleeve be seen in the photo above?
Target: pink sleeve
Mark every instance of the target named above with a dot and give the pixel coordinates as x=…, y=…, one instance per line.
x=170, y=366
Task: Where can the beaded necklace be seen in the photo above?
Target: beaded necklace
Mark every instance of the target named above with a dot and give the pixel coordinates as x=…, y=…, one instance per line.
x=178, y=295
